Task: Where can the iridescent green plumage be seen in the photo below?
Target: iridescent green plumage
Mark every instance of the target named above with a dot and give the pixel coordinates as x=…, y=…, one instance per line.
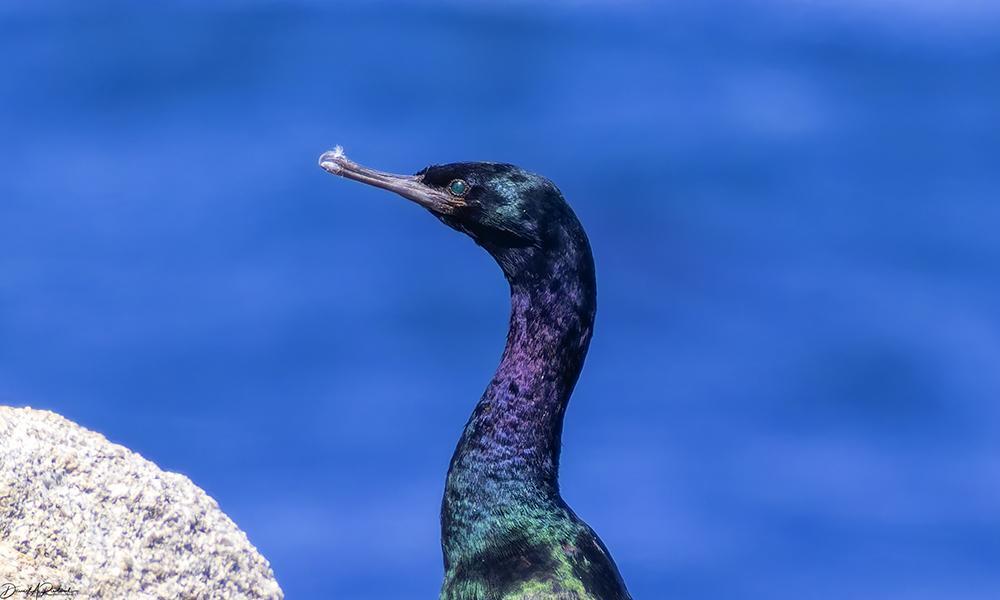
x=506, y=532
x=538, y=554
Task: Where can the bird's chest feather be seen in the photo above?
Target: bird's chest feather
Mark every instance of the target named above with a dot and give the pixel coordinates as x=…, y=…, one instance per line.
x=558, y=564
x=514, y=572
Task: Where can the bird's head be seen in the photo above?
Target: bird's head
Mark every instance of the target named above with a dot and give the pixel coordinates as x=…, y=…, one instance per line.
x=520, y=218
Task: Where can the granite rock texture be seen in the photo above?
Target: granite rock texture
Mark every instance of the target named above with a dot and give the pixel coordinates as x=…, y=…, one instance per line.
x=92, y=517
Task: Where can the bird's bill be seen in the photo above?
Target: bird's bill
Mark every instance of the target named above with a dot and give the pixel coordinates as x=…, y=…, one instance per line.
x=410, y=187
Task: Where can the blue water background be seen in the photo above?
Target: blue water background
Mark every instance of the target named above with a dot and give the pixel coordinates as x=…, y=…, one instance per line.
x=794, y=387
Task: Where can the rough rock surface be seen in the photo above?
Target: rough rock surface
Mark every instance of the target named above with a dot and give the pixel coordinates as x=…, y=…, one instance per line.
x=93, y=517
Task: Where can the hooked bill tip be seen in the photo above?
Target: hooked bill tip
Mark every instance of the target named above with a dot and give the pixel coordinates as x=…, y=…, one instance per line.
x=330, y=160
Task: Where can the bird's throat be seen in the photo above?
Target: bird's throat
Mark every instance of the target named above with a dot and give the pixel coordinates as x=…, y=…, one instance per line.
x=508, y=456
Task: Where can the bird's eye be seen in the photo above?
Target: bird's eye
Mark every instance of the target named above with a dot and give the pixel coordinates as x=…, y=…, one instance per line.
x=458, y=187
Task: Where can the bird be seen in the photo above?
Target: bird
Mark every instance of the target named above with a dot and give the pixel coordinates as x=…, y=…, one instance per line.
x=506, y=532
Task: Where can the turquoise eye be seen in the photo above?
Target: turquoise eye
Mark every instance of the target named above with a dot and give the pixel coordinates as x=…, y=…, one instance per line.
x=458, y=187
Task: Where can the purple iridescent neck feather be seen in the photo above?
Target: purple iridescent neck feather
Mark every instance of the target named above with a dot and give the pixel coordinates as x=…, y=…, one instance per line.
x=514, y=434
x=507, y=534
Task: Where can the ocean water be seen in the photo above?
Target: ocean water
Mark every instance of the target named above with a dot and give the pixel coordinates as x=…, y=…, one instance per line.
x=793, y=386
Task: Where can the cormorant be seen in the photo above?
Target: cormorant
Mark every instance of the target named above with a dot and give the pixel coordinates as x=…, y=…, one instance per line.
x=506, y=532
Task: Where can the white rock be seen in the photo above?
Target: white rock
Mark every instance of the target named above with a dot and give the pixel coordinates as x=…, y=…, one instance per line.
x=93, y=517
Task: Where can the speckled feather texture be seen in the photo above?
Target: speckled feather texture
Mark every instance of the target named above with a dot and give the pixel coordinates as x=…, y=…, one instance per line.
x=93, y=517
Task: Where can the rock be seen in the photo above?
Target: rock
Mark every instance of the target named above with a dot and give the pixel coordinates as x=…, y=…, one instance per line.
x=89, y=516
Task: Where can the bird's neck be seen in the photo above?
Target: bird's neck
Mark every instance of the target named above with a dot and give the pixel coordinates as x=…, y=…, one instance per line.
x=509, y=451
